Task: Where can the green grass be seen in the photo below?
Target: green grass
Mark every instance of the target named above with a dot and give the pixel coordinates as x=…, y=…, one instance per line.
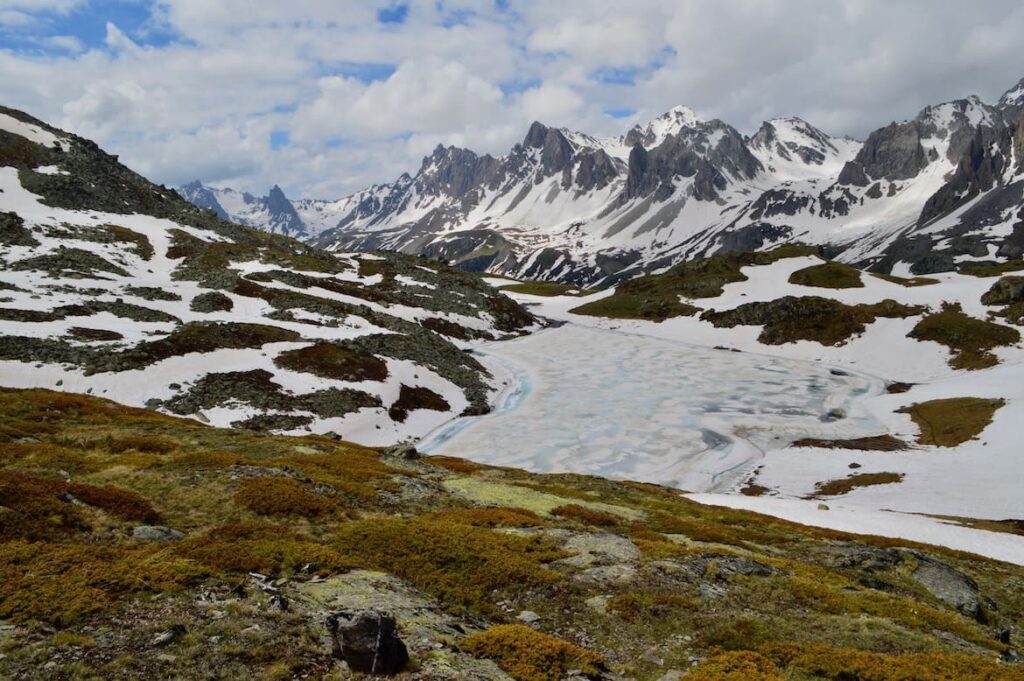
x=828, y=275
x=953, y=421
x=970, y=340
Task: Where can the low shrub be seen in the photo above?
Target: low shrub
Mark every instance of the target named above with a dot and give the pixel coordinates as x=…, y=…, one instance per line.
x=122, y=503
x=267, y=549
x=587, y=516
x=645, y=606
x=60, y=583
x=491, y=516
x=738, y=665
x=466, y=567
x=274, y=496
x=530, y=655
x=823, y=661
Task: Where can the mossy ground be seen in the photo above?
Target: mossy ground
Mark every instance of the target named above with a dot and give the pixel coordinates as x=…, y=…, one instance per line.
x=953, y=421
x=970, y=340
x=828, y=275
x=812, y=318
x=661, y=577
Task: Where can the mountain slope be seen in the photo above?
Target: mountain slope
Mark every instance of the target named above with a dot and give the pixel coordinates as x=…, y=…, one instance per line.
x=112, y=284
x=923, y=195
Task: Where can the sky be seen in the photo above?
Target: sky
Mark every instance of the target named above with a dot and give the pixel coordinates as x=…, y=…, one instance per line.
x=325, y=97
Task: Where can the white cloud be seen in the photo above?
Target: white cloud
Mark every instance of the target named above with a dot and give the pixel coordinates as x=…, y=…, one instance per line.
x=469, y=73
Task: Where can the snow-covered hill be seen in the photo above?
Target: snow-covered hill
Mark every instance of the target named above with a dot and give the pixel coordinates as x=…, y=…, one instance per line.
x=113, y=286
x=922, y=195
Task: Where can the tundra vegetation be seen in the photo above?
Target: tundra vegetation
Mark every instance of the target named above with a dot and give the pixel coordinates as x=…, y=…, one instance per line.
x=141, y=545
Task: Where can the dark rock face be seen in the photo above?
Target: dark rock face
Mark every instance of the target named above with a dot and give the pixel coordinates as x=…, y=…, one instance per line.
x=978, y=170
x=893, y=152
x=368, y=642
x=690, y=154
x=283, y=216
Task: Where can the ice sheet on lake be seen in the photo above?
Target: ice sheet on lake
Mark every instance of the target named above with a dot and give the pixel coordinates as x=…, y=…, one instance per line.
x=626, y=406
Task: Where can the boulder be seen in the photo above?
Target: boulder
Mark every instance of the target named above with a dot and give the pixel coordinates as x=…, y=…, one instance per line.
x=950, y=586
x=368, y=641
x=155, y=533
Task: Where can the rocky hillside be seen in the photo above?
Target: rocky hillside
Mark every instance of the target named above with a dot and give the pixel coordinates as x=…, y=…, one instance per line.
x=924, y=195
x=139, y=545
x=112, y=285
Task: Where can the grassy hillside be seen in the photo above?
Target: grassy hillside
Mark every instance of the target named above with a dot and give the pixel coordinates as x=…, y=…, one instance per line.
x=485, y=569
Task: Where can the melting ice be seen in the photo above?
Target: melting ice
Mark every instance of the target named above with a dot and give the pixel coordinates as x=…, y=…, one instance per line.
x=633, y=407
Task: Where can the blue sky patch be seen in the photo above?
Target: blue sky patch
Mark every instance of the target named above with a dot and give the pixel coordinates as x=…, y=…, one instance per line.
x=279, y=138
x=620, y=113
x=396, y=14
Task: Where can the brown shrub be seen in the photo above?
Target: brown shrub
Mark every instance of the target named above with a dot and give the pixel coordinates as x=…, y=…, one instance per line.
x=587, y=516
x=284, y=497
x=529, y=655
x=492, y=516
x=410, y=399
x=121, y=503
x=328, y=360
x=268, y=549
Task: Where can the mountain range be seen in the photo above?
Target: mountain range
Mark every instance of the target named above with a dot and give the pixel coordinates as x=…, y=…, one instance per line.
x=918, y=196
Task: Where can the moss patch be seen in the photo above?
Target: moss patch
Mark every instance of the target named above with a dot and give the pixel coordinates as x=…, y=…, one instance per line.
x=822, y=320
x=328, y=360
x=828, y=275
x=953, y=421
x=909, y=282
x=970, y=340
x=834, y=488
x=874, y=443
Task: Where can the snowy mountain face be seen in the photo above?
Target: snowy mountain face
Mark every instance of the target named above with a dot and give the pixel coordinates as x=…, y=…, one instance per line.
x=924, y=195
x=275, y=212
x=112, y=285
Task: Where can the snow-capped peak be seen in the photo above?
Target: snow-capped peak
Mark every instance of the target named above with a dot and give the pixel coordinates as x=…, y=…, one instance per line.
x=1014, y=97
x=792, y=148
x=669, y=123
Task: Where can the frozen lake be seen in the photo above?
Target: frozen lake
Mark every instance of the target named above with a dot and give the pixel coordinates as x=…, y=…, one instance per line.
x=633, y=407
